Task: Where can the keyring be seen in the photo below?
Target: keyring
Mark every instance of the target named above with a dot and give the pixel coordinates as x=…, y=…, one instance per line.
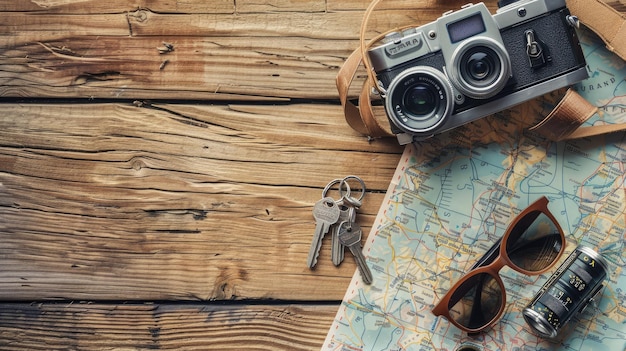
x=341, y=185
x=344, y=182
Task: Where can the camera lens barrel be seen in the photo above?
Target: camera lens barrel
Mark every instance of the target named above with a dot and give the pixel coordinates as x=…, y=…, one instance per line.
x=576, y=283
x=419, y=99
x=480, y=68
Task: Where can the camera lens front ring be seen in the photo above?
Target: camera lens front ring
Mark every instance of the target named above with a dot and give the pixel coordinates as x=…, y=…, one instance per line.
x=480, y=68
x=419, y=99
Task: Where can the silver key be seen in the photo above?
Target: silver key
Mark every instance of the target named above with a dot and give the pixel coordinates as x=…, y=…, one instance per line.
x=337, y=251
x=350, y=235
x=326, y=213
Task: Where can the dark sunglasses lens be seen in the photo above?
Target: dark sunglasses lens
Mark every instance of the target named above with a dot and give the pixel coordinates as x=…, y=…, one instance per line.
x=534, y=242
x=476, y=302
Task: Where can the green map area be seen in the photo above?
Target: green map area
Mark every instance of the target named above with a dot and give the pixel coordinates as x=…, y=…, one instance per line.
x=452, y=197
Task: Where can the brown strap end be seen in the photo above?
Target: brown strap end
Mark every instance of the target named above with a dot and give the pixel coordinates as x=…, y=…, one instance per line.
x=572, y=111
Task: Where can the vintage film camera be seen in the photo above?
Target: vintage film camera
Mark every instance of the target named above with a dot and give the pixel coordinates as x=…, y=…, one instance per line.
x=469, y=64
x=578, y=282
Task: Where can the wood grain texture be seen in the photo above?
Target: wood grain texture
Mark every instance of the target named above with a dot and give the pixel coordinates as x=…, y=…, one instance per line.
x=260, y=51
x=88, y=326
x=185, y=202
x=216, y=6
x=159, y=160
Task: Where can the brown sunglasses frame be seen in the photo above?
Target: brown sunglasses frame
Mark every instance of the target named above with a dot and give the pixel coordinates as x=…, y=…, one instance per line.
x=493, y=269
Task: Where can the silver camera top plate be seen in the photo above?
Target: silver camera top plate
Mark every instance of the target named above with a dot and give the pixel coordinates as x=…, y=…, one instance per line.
x=399, y=47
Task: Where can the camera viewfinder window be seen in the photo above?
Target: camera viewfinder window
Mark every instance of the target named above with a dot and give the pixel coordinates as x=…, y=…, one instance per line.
x=466, y=28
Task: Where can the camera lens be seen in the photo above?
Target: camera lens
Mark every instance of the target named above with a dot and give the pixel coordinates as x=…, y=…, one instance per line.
x=480, y=68
x=419, y=100
x=480, y=65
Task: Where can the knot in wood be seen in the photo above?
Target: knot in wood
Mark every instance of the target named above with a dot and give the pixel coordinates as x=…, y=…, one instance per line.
x=139, y=15
x=137, y=164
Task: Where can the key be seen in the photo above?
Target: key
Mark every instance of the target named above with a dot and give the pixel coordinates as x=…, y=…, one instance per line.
x=350, y=235
x=326, y=213
x=337, y=251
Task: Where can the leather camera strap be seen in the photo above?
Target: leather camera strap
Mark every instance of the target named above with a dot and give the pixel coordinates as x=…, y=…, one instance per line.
x=562, y=123
x=361, y=118
x=605, y=21
x=565, y=119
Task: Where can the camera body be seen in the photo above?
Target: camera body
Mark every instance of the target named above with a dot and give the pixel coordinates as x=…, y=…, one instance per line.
x=469, y=64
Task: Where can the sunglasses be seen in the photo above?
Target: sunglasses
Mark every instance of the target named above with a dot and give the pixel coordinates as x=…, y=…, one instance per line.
x=532, y=243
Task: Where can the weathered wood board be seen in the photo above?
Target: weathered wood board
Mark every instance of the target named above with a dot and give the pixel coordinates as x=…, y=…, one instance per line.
x=116, y=202
x=251, y=51
x=159, y=160
x=88, y=326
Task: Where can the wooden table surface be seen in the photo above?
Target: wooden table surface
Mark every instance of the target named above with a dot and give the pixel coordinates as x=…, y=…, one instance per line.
x=159, y=161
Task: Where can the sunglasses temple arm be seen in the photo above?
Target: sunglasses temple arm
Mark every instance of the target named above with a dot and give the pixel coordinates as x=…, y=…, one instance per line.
x=489, y=256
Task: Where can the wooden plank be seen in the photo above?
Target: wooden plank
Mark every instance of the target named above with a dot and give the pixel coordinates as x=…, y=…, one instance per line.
x=118, y=202
x=338, y=5
x=244, y=6
x=116, y=6
x=200, y=69
x=210, y=65
x=48, y=326
x=215, y=6
x=120, y=53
